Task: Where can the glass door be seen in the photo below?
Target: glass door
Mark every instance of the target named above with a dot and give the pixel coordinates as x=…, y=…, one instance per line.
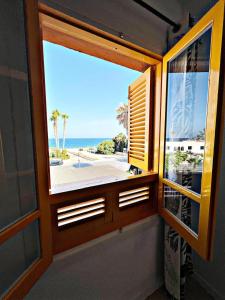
x=25, y=221
x=188, y=130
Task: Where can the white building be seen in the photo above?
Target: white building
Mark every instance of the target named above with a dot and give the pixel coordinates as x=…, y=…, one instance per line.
x=186, y=146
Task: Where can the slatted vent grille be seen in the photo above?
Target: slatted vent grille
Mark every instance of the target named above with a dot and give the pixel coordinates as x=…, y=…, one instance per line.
x=80, y=211
x=137, y=97
x=133, y=196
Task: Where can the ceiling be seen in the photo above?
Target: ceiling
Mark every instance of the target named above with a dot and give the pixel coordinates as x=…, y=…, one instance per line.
x=136, y=23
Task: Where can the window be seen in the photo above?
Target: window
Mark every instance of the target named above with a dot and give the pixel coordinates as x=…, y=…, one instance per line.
x=188, y=122
x=85, y=210
x=189, y=115
x=100, y=112
x=88, y=127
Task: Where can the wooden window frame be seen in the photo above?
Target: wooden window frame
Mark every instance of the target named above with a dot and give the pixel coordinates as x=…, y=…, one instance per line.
x=67, y=31
x=203, y=241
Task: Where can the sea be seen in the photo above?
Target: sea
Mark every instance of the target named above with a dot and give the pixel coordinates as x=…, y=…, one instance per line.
x=78, y=142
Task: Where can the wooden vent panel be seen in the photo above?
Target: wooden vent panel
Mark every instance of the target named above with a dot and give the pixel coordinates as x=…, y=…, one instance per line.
x=139, y=112
x=133, y=196
x=80, y=211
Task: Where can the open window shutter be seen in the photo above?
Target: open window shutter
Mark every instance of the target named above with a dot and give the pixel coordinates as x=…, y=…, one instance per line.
x=139, y=125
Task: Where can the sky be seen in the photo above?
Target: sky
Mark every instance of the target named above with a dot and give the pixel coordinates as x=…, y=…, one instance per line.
x=86, y=88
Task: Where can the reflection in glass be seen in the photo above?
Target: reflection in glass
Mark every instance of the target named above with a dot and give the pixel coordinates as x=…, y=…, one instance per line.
x=182, y=207
x=17, y=254
x=187, y=97
x=17, y=175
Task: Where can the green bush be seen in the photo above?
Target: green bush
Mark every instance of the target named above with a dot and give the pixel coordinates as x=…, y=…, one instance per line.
x=120, y=141
x=106, y=147
x=60, y=154
x=64, y=154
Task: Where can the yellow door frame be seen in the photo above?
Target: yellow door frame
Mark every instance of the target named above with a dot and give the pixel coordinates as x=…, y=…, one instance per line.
x=214, y=19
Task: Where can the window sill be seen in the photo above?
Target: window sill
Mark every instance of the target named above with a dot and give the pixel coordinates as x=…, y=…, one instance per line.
x=70, y=188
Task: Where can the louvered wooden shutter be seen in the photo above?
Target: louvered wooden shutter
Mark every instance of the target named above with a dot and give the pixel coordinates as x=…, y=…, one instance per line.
x=139, y=129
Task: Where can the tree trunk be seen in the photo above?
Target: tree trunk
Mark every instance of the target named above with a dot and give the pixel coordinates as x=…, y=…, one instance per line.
x=55, y=133
x=64, y=133
x=57, y=137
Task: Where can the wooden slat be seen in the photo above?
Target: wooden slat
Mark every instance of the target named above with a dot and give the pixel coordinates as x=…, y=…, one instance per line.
x=133, y=196
x=136, y=135
x=136, y=139
x=82, y=217
x=137, y=116
x=137, y=120
x=137, y=151
x=140, y=145
x=80, y=211
x=136, y=154
x=133, y=201
x=78, y=205
x=137, y=124
x=138, y=142
x=136, y=105
x=137, y=111
x=133, y=141
x=139, y=86
x=137, y=127
x=141, y=131
x=137, y=157
x=140, y=101
x=136, y=94
x=137, y=148
x=133, y=191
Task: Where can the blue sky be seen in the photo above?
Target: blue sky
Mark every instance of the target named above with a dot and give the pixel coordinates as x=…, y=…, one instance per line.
x=86, y=88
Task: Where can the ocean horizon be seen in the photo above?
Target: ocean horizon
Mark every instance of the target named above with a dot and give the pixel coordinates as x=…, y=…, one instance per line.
x=77, y=142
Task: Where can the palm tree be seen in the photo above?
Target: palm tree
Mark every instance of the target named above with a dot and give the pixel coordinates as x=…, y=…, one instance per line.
x=122, y=115
x=54, y=118
x=64, y=117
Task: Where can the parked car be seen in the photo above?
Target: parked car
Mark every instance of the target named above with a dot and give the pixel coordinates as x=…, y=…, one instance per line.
x=56, y=161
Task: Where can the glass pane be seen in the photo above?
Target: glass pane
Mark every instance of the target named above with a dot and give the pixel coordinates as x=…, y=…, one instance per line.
x=17, y=176
x=187, y=97
x=182, y=207
x=17, y=254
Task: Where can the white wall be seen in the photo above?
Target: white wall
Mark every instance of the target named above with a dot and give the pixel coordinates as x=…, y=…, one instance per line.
x=120, y=265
